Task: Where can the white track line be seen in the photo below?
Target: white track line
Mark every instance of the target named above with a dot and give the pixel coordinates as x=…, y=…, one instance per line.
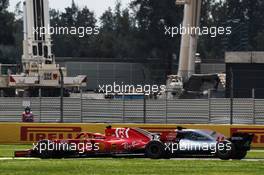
x=175, y=159
x=250, y=160
x=11, y=158
x=259, y=151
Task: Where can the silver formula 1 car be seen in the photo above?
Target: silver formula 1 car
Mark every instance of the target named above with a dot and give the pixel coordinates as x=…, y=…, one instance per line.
x=194, y=142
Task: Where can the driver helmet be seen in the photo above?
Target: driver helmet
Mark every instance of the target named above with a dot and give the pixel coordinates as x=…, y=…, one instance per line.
x=27, y=110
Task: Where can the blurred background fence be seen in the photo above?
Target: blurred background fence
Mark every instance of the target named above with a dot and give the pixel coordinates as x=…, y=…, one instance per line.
x=188, y=111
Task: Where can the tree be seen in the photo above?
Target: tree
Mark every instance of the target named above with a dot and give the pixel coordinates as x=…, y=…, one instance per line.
x=106, y=36
x=87, y=46
x=137, y=32
x=6, y=23
x=4, y=5
x=79, y=44
x=151, y=18
x=250, y=13
x=123, y=33
x=213, y=14
x=117, y=34
x=7, y=20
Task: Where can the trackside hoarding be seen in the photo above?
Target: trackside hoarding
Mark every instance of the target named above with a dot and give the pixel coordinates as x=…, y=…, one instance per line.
x=24, y=133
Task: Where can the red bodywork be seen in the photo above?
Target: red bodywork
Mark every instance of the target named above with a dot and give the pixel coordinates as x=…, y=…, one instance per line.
x=114, y=141
x=117, y=140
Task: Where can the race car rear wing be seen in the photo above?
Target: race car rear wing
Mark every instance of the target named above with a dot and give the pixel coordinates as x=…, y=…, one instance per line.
x=242, y=141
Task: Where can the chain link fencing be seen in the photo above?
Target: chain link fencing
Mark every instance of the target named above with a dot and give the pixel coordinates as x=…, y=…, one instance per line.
x=123, y=110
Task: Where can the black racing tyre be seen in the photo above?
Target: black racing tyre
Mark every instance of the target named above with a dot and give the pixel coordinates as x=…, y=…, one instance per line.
x=238, y=155
x=155, y=150
x=225, y=150
x=47, y=153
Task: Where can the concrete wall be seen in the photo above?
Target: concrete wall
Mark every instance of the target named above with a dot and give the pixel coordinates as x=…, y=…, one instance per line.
x=244, y=57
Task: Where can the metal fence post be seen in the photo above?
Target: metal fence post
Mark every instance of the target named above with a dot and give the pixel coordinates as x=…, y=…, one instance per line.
x=231, y=97
x=231, y=110
x=144, y=109
x=209, y=106
x=166, y=107
x=40, y=105
x=61, y=94
x=123, y=117
x=253, y=106
x=81, y=104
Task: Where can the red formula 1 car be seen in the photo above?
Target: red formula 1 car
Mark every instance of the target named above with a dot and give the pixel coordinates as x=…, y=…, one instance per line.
x=136, y=141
